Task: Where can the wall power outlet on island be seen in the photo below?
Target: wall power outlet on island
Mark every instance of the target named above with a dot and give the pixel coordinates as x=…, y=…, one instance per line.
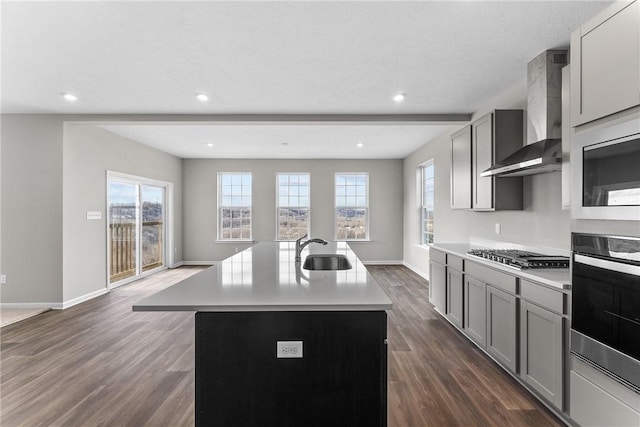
x=3, y=279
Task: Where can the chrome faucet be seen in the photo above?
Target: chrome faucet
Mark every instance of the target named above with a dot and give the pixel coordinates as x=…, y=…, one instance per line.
x=300, y=246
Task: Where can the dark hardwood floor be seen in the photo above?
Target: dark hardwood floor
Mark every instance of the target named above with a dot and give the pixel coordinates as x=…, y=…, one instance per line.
x=100, y=364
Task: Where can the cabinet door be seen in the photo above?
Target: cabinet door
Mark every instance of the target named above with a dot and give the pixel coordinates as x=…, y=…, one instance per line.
x=482, y=149
x=606, y=55
x=455, y=300
x=461, y=169
x=501, y=327
x=475, y=310
x=541, y=356
x=437, y=285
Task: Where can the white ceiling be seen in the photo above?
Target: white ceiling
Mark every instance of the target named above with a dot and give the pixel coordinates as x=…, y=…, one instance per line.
x=266, y=57
x=306, y=141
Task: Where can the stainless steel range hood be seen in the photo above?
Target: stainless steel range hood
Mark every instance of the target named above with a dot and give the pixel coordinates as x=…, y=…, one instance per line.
x=544, y=119
x=539, y=157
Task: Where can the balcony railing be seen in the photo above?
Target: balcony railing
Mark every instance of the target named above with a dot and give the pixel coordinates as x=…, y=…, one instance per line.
x=124, y=251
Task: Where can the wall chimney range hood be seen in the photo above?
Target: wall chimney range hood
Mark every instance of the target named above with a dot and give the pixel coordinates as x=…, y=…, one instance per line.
x=543, y=152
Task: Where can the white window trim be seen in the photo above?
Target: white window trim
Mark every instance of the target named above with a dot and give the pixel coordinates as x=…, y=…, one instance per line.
x=277, y=203
x=219, y=238
x=422, y=166
x=367, y=237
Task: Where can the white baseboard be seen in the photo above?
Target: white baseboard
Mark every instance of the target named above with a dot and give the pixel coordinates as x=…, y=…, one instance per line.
x=53, y=305
x=198, y=263
x=177, y=264
x=84, y=298
x=56, y=305
x=416, y=270
x=382, y=262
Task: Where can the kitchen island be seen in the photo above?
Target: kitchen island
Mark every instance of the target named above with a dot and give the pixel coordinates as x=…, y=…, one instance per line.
x=279, y=344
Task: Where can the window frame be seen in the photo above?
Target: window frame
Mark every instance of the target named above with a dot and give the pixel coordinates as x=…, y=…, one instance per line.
x=220, y=228
x=424, y=207
x=278, y=207
x=367, y=208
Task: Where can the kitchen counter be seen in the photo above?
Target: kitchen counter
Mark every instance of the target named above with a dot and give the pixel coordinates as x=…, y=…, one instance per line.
x=557, y=278
x=265, y=277
x=273, y=341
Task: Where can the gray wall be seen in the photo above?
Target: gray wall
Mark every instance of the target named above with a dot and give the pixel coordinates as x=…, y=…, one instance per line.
x=31, y=209
x=541, y=223
x=88, y=153
x=52, y=173
x=200, y=200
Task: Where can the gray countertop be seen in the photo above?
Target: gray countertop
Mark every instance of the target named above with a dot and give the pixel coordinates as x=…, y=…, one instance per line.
x=266, y=277
x=557, y=278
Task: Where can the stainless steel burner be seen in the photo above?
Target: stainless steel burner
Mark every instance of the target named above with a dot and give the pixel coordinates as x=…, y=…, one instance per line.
x=521, y=259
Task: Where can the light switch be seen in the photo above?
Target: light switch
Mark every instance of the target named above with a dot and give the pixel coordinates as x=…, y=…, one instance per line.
x=289, y=349
x=94, y=215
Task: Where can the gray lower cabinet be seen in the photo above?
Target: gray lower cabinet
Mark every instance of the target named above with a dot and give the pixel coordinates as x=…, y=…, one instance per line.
x=541, y=351
x=437, y=285
x=501, y=327
x=475, y=310
x=455, y=291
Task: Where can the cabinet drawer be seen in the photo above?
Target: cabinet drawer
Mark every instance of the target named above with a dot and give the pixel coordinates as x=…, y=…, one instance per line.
x=454, y=262
x=437, y=256
x=545, y=297
x=593, y=406
x=492, y=277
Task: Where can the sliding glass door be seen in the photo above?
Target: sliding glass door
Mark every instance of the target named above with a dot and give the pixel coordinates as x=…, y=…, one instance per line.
x=137, y=228
x=152, y=239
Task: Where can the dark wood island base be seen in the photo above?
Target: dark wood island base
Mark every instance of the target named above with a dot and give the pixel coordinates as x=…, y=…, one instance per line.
x=340, y=380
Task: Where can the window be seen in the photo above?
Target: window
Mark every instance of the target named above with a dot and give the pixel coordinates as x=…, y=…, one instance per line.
x=352, y=206
x=426, y=214
x=234, y=206
x=293, y=205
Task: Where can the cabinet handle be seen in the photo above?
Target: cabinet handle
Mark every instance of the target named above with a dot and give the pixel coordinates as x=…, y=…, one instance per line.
x=607, y=265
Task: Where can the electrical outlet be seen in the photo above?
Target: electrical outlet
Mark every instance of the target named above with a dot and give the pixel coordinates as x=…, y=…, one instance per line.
x=94, y=215
x=498, y=228
x=289, y=349
x=3, y=279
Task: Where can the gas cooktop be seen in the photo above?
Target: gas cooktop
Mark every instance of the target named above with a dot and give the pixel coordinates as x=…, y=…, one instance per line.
x=521, y=259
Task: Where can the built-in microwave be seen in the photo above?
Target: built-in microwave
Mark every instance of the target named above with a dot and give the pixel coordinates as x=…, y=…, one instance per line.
x=606, y=171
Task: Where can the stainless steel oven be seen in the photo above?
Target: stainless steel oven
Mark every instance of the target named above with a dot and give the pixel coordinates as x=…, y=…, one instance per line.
x=605, y=303
x=606, y=173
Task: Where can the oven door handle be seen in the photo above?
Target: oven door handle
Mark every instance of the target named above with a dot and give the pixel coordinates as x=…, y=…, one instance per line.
x=607, y=265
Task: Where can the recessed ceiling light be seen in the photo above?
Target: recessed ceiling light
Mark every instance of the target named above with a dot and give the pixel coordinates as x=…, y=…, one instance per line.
x=210, y=144
x=359, y=145
x=69, y=97
x=202, y=97
x=399, y=97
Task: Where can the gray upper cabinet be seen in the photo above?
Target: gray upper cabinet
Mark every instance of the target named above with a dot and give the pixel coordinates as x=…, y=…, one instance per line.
x=494, y=137
x=605, y=63
x=482, y=148
x=461, y=169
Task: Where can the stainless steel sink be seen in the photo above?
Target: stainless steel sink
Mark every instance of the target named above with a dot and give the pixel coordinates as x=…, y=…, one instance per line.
x=326, y=262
